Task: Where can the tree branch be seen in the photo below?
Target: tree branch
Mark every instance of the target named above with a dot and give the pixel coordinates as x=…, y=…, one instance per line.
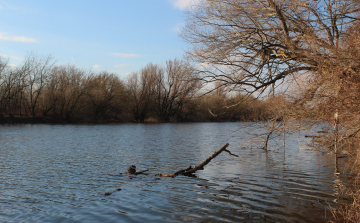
x=190, y=170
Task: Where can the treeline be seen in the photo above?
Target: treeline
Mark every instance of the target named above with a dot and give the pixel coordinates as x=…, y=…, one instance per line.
x=40, y=91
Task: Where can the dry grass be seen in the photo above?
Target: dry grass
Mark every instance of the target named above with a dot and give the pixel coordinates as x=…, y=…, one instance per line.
x=348, y=212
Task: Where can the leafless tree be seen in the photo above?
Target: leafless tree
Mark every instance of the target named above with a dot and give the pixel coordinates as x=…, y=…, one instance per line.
x=173, y=87
x=141, y=90
x=66, y=89
x=35, y=70
x=106, y=94
x=255, y=44
x=11, y=88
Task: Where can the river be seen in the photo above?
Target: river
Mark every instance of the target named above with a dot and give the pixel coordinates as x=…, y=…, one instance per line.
x=72, y=173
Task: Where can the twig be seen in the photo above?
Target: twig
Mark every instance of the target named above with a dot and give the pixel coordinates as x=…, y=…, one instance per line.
x=230, y=153
x=347, y=137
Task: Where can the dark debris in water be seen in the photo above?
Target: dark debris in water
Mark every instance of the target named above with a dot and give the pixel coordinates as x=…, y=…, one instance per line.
x=109, y=193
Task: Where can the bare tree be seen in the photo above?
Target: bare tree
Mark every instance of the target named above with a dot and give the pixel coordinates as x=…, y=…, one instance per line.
x=106, y=93
x=36, y=70
x=173, y=87
x=12, y=85
x=255, y=44
x=141, y=90
x=10, y=90
x=66, y=89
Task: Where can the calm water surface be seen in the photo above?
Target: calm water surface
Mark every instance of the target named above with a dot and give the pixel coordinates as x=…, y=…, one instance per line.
x=61, y=173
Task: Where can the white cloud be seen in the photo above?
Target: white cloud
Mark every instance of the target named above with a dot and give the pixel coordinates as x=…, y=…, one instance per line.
x=12, y=66
x=10, y=57
x=4, y=36
x=184, y=4
x=124, y=55
x=96, y=66
x=128, y=73
x=120, y=73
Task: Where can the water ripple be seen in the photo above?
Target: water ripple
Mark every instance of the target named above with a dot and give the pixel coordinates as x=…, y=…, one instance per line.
x=51, y=173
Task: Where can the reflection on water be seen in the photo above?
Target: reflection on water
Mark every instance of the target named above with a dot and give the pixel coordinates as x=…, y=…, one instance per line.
x=55, y=173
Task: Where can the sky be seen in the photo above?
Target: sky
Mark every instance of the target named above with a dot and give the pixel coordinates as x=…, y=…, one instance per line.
x=116, y=36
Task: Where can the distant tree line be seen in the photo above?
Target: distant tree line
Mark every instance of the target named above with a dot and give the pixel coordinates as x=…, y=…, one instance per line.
x=39, y=90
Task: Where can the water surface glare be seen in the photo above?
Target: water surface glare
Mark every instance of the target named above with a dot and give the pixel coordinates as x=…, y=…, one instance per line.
x=61, y=173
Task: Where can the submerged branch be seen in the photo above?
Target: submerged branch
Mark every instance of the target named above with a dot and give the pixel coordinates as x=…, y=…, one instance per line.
x=190, y=170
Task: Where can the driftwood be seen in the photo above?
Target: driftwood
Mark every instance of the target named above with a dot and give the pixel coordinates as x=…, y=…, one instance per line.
x=190, y=170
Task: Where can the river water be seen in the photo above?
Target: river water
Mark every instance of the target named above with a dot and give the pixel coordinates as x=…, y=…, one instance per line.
x=71, y=173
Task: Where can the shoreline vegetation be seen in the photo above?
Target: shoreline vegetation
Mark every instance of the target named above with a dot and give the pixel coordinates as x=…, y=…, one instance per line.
x=31, y=120
x=40, y=92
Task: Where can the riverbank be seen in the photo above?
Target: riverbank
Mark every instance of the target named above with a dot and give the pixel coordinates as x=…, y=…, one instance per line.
x=32, y=120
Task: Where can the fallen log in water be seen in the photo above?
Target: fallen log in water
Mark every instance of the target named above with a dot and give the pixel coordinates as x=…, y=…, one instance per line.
x=190, y=170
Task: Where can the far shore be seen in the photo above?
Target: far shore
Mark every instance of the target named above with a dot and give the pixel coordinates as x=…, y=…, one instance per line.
x=32, y=120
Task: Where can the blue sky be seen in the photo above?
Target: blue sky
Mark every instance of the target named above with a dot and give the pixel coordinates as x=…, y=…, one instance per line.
x=111, y=35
